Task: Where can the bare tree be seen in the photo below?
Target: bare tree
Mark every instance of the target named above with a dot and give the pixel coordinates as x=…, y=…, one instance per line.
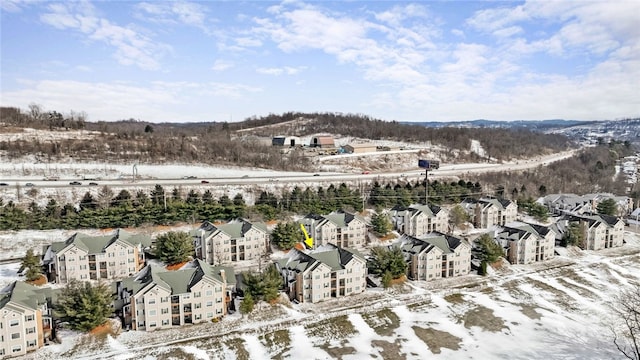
x=626, y=323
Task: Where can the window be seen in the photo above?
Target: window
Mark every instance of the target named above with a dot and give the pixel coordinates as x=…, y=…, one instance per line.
x=140, y=323
x=209, y=314
x=164, y=311
x=152, y=313
x=197, y=317
x=31, y=330
x=152, y=301
x=197, y=305
x=31, y=343
x=130, y=251
x=14, y=322
x=165, y=322
x=209, y=292
x=15, y=336
x=197, y=295
x=209, y=303
x=29, y=318
x=16, y=348
x=164, y=299
x=152, y=324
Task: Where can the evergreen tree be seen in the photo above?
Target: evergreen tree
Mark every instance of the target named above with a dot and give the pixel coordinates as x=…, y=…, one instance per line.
x=286, y=235
x=174, y=247
x=380, y=223
x=490, y=250
x=607, y=207
x=246, y=306
x=31, y=263
x=263, y=286
x=386, y=279
x=88, y=202
x=83, y=305
x=388, y=260
x=573, y=236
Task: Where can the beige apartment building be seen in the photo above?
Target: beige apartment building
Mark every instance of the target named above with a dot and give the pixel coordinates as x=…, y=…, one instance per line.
x=84, y=257
x=599, y=231
x=342, y=229
x=488, y=212
x=25, y=319
x=526, y=243
x=435, y=256
x=157, y=298
x=237, y=240
x=417, y=220
x=325, y=273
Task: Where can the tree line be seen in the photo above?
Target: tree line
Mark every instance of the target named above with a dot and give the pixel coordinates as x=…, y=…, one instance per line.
x=106, y=210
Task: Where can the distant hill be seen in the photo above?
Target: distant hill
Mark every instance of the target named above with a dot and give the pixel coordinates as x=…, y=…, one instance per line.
x=539, y=125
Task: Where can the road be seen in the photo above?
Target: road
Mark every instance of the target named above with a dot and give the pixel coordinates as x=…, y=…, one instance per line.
x=444, y=171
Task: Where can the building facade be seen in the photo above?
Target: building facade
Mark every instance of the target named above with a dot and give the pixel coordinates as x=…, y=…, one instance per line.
x=237, y=240
x=84, y=257
x=526, y=243
x=25, y=319
x=157, y=298
x=418, y=220
x=487, y=212
x=435, y=256
x=342, y=229
x=325, y=273
x=598, y=231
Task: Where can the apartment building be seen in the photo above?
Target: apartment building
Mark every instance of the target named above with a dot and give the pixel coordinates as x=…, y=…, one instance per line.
x=343, y=229
x=488, y=212
x=417, y=220
x=598, y=231
x=237, y=240
x=526, y=243
x=157, y=298
x=325, y=273
x=84, y=257
x=435, y=256
x=25, y=319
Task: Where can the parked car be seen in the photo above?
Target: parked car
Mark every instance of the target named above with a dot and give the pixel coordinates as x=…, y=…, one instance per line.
x=366, y=172
x=4, y=184
x=316, y=174
x=93, y=183
x=29, y=184
x=204, y=182
x=75, y=183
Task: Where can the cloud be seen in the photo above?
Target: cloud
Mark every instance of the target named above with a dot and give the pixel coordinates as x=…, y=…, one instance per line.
x=174, y=12
x=131, y=47
x=221, y=65
x=15, y=5
x=157, y=101
x=288, y=70
x=298, y=27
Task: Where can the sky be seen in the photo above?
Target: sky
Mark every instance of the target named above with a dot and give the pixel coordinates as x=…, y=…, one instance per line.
x=180, y=61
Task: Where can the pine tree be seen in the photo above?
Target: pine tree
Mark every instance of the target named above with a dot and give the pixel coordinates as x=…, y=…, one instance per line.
x=174, y=247
x=31, y=263
x=380, y=223
x=246, y=306
x=83, y=305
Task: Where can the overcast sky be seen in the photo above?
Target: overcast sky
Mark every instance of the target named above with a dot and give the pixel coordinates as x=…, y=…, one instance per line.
x=406, y=61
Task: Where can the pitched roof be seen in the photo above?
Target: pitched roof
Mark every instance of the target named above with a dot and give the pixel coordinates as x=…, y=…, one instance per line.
x=23, y=295
x=331, y=255
x=414, y=245
x=235, y=229
x=178, y=281
x=338, y=218
x=97, y=244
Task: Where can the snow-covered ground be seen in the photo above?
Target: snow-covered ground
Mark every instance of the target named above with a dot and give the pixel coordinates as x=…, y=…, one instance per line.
x=558, y=309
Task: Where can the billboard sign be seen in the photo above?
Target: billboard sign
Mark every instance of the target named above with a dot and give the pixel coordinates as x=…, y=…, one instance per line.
x=428, y=164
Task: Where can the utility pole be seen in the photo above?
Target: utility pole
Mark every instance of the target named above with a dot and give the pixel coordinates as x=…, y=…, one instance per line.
x=426, y=186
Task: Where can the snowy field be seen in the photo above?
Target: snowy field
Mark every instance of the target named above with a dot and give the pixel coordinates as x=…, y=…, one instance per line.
x=552, y=310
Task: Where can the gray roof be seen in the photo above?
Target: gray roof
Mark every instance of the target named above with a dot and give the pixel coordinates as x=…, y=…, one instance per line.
x=97, y=244
x=178, y=281
x=340, y=219
x=24, y=295
x=235, y=229
x=331, y=255
x=499, y=203
x=413, y=245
